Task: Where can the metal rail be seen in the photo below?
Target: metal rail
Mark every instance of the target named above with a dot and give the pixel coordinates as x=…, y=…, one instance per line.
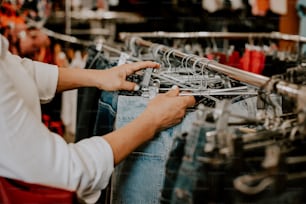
x=290, y=90
x=202, y=34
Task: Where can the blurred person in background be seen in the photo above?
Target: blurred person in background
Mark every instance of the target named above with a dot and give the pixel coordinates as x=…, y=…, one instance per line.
x=25, y=40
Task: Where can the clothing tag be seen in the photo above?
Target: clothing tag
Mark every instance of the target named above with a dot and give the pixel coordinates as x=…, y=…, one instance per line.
x=123, y=58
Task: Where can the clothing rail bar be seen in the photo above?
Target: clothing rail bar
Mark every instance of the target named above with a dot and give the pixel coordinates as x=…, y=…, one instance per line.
x=162, y=34
x=237, y=74
x=290, y=90
x=86, y=43
x=66, y=38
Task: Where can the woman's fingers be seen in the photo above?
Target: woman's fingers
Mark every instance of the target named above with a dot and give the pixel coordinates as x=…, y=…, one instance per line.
x=134, y=67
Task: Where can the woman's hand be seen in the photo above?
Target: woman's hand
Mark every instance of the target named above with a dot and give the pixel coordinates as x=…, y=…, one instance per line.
x=162, y=112
x=168, y=109
x=115, y=78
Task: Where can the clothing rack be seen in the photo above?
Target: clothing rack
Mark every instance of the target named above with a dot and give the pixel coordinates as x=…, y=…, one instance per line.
x=228, y=35
x=66, y=38
x=183, y=35
x=99, y=44
x=293, y=91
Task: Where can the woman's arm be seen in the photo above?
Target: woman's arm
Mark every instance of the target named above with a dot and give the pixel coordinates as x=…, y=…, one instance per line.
x=109, y=79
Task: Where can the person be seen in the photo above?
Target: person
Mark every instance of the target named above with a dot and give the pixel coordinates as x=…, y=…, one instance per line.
x=26, y=39
x=31, y=153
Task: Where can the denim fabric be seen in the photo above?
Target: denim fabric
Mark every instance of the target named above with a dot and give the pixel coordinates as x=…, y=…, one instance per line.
x=106, y=113
x=245, y=107
x=87, y=104
x=172, y=165
x=189, y=173
x=107, y=107
x=139, y=178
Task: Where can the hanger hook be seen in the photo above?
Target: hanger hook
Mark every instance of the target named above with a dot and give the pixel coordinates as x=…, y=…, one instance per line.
x=133, y=46
x=195, y=63
x=156, y=48
x=203, y=67
x=166, y=58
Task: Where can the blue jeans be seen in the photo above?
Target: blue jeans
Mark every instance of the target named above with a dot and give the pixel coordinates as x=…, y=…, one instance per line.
x=107, y=107
x=106, y=113
x=139, y=178
x=172, y=165
x=189, y=175
x=88, y=97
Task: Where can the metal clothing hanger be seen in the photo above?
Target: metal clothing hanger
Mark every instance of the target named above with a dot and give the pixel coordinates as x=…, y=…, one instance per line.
x=187, y=75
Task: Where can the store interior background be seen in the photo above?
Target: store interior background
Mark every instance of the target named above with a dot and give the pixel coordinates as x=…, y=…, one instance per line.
x=74, y=18
x=171, y=16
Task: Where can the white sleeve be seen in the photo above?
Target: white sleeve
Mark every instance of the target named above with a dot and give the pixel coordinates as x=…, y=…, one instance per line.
x=45, y=77
x=30, y=152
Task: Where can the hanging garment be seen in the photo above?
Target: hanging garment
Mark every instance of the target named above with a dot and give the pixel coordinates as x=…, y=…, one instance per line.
x=212, y=5
x=88, y=4
x=253, y=60
x=133, y=180
x=69, y=99
x=186, y=188
x=204, y=176
x=279, y=6
x=106, y=113
x=249, y=174
x=259, y=7
x=234, y=59
x=173, y=163
x=263, y=6
x=274, y=65
x=138, y=179
x=87, y=104
x=237, y=4
x=107, y=106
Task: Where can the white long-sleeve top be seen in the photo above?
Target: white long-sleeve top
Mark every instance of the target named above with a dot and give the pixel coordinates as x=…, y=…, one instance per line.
x=28, y=150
